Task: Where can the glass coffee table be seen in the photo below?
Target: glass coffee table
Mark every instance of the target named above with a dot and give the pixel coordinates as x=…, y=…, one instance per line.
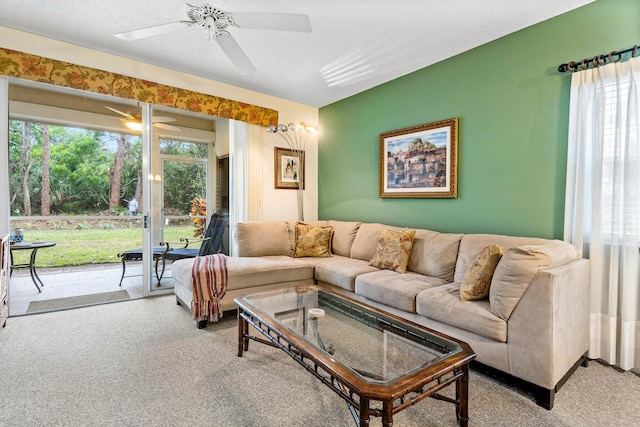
x=378, y=363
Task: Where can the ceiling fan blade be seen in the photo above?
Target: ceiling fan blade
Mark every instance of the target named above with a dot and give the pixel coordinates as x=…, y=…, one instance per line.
x=272, y=21
x=156, y=30
x=235, y=53
x=122, y=113
x=167, y=127
x=163, y=119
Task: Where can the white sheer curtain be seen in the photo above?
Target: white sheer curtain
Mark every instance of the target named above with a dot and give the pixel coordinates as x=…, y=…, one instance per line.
x=245, y=146
x=255, y=135
x=602, y=211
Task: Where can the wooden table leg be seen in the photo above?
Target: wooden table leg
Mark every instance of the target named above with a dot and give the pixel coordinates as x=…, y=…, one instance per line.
x=462, y=396
x=246, y=335
x=242, y=331
x=364, y=412
x=387, y=413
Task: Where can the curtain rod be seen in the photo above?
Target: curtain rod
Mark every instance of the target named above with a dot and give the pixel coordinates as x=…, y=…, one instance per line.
x=598, y=60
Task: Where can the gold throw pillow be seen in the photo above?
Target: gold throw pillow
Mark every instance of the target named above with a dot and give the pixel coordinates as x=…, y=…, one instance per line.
x=477, y=280
x=313, y=241
x=393, y=250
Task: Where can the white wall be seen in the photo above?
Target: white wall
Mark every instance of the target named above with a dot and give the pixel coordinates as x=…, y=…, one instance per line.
x=277, y=204
x=284, y=202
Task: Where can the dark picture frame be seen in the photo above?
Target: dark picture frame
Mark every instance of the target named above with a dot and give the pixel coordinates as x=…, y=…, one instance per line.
x=289, y=165
x=420, y=161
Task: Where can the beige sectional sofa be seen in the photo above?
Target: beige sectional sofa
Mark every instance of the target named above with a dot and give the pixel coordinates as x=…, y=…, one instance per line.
x=532, y=327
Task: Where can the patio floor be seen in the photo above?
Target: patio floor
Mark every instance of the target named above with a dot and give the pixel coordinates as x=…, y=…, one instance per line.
x=77, y=280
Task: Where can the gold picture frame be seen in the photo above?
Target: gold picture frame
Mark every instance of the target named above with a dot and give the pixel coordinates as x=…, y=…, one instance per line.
x=420, y=161
x=289, y=165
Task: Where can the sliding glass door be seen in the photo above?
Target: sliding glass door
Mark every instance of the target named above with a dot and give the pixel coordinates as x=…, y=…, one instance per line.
x=185, y=173
x=87, y=158
x=180, y=181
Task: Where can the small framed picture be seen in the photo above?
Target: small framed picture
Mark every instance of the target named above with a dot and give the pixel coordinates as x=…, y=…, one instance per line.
x=289, y=168
x=420, y=161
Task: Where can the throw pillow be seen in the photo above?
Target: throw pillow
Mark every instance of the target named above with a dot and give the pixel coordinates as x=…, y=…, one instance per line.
x=477, y=280
x=393, y=250
x=313, y=241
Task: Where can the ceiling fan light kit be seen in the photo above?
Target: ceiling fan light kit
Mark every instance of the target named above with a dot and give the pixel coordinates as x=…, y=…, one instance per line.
x=135, y=123
x=135, y=126
x=217, y=21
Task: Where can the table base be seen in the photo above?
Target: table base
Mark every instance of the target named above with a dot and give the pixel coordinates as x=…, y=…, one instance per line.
x=33, y=247
x=386, y=408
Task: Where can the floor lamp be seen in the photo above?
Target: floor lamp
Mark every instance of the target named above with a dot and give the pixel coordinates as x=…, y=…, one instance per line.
x=295, y=135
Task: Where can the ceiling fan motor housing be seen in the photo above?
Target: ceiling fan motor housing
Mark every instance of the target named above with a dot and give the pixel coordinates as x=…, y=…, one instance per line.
x=210, y=17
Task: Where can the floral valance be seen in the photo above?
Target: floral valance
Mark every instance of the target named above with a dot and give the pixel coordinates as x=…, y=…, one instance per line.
x=50, y=71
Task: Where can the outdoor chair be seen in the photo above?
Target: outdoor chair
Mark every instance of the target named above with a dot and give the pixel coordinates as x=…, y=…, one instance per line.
x=136, y=255
x=211, y=242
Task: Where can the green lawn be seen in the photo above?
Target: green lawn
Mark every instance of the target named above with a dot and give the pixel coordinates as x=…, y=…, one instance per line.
x=90, y=246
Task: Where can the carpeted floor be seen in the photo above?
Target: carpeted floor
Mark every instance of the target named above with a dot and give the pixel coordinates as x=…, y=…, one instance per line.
x=144, y=363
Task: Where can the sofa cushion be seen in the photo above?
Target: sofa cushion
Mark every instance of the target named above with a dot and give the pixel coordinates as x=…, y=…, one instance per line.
x=312, y=241
x=395, y=289
x=472, y=244
x=518, y=266
x=344, y=232
x=341, y=271
x=477, y=280
x=434, y=254
x=364, y=244
x=246, y=272
x=443, y=304
x=262, y=238
x=393, y=250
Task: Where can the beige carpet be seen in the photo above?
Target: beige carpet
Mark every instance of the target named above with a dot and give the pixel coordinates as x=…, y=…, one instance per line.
x=144, y=363
x=77, y=301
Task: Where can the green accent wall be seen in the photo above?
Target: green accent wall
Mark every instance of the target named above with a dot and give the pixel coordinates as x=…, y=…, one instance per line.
x=513, y=108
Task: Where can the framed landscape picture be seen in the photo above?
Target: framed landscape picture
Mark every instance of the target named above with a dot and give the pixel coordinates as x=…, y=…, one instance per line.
x=420, y=161
x=289, y=168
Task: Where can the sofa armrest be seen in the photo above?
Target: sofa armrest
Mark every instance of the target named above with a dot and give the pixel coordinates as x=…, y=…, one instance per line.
x=549, y=328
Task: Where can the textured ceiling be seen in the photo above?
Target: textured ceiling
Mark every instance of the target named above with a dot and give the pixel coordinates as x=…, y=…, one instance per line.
x=354, y=44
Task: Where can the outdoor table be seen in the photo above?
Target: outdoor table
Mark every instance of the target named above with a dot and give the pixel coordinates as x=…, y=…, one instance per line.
x=33, y=246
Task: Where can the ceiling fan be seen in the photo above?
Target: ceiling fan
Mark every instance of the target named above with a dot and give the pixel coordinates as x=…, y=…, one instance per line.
x=217, y=21
x=135, y=123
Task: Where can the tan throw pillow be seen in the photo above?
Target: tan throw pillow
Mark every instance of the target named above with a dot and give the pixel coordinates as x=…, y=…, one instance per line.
x=477, y=280
x=393, y=250
x=313, y=241
x=262, y=238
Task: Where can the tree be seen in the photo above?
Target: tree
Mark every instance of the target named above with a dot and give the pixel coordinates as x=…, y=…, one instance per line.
x=25, y=167
x=138, y=191
x=183, y=181
x=15, y=154
x=131, y=180
x=61, y=170
x=80, y=164
x=45, y=205
x=115, y=173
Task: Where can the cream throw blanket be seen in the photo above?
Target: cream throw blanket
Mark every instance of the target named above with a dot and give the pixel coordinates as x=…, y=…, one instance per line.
x=209, y=282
